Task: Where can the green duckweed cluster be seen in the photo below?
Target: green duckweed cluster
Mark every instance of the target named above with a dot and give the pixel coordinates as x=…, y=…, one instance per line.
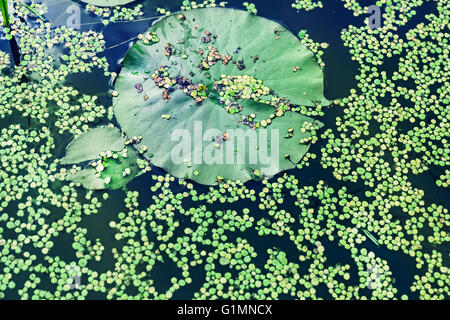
x=315, y=47
x=189, y=5
x=32, y=10
x=232, y=88
x=5, y=60
x=307, y=4
x=50, y=56
x=116, y=14
x=282, y=238
x=444, y=179
x=250, y=7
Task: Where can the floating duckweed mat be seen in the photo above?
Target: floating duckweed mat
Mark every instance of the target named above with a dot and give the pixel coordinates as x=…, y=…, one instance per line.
x=219, y=70
x=307, y=4
x=364, y=217
x=107, y=3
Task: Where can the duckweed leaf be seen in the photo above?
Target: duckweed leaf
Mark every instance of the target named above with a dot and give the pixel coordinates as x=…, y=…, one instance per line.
x=156, y=99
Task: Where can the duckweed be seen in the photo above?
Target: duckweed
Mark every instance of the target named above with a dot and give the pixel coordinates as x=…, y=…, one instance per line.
x=277, y=238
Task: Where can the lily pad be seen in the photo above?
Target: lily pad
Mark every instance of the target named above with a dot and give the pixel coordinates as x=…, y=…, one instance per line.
x=121, y=170
x=223, y=70
x=88, y=179
x=107, y=3
x=90, y=144
x=109, y=164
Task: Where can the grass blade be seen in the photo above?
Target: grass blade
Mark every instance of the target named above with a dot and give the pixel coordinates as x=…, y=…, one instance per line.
x=371, y=237
x=5, y=13
x=33, y=10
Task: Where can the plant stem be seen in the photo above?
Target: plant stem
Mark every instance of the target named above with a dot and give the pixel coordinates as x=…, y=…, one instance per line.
x=5, y=13
x=13, y=43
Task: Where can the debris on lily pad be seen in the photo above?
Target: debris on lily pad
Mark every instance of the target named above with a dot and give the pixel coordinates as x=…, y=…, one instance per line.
x=202, y=72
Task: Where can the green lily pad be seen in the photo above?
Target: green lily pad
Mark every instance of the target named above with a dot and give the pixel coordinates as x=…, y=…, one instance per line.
x=88, y=179
x=90, y=144
x=107, y=3
x=209, y=69
x=116, y=169
x=103, y=147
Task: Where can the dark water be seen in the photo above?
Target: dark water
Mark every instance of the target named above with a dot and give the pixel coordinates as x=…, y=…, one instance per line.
x=323, y=25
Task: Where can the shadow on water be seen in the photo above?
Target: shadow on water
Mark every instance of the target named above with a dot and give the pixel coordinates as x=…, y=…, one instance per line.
x=15, y=51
